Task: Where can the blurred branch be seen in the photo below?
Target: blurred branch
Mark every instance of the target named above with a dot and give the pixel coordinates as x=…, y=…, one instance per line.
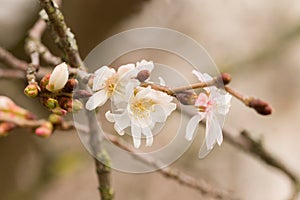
x=11, y=73
x=203, y=187
x=245, y=142
x=10, y=60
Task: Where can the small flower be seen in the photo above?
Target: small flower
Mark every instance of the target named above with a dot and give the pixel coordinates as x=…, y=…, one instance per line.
x=213, y=106
x=146, y=107
x=58, y=78
x=109, y=83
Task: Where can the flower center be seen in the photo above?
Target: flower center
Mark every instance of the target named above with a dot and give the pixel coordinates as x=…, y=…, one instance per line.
x=111, y=84
x=140, y=107
x=204, y=108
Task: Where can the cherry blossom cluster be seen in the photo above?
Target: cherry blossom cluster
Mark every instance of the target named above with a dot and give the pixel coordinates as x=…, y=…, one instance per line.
x=138, y=107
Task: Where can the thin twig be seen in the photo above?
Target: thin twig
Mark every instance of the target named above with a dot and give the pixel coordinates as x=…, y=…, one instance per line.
x=8, y=59
x=12, y=73
x=65, y=38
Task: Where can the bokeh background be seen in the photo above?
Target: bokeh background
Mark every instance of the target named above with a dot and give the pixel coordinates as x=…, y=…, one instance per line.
x=256, y=41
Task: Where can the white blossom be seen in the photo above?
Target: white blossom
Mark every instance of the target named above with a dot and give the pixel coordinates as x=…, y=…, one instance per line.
x=146, y=107
x=109, y=83
x=58, y=77
x=213, y=106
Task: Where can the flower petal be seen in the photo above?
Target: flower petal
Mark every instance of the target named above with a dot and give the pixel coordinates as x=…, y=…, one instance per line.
x=213, y=131
x=162, y=82
x=136, y=135
x=159, y=114
x=124, y=69
x=98, y=99
x=192, y=125
x=101, y=75
x=149, y=137
x=204, y=151
x=58, y=77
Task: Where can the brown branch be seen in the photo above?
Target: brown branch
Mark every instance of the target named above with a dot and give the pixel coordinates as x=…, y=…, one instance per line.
x=8, y=59
x=66, y=40
x=11, y=73
x=202, y=186
x=64, y=37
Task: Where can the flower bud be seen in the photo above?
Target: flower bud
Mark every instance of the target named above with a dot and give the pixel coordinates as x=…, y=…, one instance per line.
x=70, y=104
x=70, y=85
x=55, y=119
x=143, y=75
x=44, y=82
x=31, y=90
x=59, y=111
x=45, y=130
x=58, y=78
x=186, y=97
x=6, y=127
x=51, y=103
x=82, y=94
x=77, y=105
x=226, y=78
x=6, y=103
x=260, y=106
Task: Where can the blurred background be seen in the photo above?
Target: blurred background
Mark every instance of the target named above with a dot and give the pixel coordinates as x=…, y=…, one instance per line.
x=256, y=41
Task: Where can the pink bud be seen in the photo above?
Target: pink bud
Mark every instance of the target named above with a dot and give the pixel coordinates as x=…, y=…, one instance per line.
x=45, y=130
x=5, y=128
x=55, y=119
x=261, y=106
x=32, y=90
x=44, y=82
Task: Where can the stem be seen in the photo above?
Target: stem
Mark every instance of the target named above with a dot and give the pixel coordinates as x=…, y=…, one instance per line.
x=8, y=59
x=202, y=186
x=64, y=37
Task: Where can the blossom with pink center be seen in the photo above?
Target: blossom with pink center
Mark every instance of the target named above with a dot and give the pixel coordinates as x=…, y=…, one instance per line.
x=213, y=106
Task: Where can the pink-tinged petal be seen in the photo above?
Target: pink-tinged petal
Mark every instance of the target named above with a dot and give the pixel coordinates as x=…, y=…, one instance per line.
x=124, y=69
x=98, y=99
x=192, y=125
x=149, y=137
x=201, y=100
x=203, y=78
x=136, y=135
x=198, y=75
x=212, y=130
